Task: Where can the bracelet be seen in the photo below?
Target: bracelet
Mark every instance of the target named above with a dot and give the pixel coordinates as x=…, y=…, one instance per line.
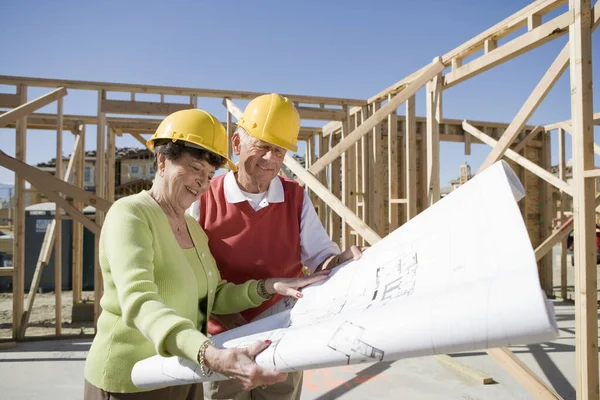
x=262, y=289
x=206, y=372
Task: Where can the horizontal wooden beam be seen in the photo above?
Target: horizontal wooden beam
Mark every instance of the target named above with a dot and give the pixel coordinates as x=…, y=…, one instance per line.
x=7, y=271
x=142, y=107
x=566, y=126
x=323, y=114
x=546, y=32
x=434, y=69
x=169, y=90
x=556, y=125
x=8, y=100
x=519, y=159
x=28, y=108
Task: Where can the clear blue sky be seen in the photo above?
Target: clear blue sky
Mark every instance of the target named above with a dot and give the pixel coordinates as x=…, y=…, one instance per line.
x=342, y=48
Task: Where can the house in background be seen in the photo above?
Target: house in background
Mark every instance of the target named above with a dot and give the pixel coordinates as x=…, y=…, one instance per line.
x=134, y=172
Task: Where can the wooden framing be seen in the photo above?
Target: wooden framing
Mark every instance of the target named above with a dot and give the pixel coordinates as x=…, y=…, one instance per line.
x=347, y=178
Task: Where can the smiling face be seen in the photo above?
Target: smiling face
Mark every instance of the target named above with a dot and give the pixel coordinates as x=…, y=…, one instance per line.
x=185, y=179
x=259, y=162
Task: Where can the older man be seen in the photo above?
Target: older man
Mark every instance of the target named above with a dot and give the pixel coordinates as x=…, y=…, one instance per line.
x=261, y=225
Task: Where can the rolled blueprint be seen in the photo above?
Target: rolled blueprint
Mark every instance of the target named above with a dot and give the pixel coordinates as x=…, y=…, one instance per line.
x=460, y=276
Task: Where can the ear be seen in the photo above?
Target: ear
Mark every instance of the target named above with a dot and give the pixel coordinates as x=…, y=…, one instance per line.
x=236, y=143
x=160, y=162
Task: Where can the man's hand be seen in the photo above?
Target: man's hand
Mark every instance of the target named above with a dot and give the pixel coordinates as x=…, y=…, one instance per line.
x=352, y=252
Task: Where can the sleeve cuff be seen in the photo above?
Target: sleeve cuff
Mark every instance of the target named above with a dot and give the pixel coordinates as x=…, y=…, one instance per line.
x=185, y=343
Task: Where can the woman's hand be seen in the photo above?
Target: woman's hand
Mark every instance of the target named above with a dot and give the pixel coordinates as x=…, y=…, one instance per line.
x=239, y=364
x=289, y=286
x=352, y=252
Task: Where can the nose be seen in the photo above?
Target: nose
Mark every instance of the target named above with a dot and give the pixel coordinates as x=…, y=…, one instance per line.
x=268, y=155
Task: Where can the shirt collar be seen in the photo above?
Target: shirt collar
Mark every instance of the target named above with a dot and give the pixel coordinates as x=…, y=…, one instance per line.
x=233, y=193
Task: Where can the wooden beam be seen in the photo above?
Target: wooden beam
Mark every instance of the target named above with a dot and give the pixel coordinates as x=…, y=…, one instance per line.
x=434, y=69
x=533, y=21
x=7, y=271
x=77, y=245
x=547, y=212
x=562, y=175
x=34, y=175
x=99, y=183
x=549, y=31
x=28, y=108
x=559, y=65
x=523, y=374
x=336, y=205
x=9, y=100
x=323, y=114
x=393, y=167
x=586, y=285
x=58, y=222
x=527, y=139
x=519, y=159
x=411, y=158
x=141, y=107
x=469, y=372
x=18, y=280
x=434, y=118
x=560, y=124
x=170, y=90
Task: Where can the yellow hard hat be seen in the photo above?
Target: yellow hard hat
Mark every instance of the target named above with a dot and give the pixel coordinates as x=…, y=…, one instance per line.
x=273, y=119
x=196, y=127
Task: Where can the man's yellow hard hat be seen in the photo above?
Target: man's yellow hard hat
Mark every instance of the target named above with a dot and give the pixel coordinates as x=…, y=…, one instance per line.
x=273, y=119
x=196, y=127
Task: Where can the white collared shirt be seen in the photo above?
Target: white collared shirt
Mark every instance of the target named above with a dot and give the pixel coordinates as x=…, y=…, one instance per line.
x=315, y=244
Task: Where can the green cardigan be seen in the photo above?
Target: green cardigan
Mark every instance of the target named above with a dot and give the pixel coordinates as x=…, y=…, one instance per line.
x=155, y=301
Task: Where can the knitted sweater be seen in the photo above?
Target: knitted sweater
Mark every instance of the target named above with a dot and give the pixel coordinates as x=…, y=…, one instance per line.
x=155, y=301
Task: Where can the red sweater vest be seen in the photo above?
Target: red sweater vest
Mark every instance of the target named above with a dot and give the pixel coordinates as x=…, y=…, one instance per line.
x=249, y=244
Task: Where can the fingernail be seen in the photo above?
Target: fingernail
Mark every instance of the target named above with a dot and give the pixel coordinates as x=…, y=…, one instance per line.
x=268, y=342
x=298, y=295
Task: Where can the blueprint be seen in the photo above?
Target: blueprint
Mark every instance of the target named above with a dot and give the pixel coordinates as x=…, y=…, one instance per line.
x=460, y=276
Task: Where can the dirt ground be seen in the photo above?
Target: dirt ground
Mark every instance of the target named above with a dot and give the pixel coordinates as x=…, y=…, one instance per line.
x=42, y=320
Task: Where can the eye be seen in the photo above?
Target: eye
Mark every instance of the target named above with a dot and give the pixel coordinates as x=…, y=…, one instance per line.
x=195, y=168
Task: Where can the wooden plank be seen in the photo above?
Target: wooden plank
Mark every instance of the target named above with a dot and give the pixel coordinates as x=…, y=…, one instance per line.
x=586, y=285
x=533, y=21
x=411, y=159
x=527, y=139
x=7, y=271
x=434, y=69
x=559, y=65
x=77, y=245
x=229, y=127
x=100, y=175
x=379, y=177
x=557, y=125
x=170, y=90
x=28, y=108
x=336, y=205
x=562, y=175
x=592, y=173
x=525, y=163
x=523, y=374
x=335, y=221
x=469, y=372
x=33, y=174
x=322, y=178
x=393, y=167
x=322, y=114
x=549, y=31
x=8, y=100
x=434, y=118
x=141, y=107
x=110, y=165
x=58, y=223
x=18, y=280
x=547, y=213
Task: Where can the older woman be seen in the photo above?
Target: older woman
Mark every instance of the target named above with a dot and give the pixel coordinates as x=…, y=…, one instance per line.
x=160, y=281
